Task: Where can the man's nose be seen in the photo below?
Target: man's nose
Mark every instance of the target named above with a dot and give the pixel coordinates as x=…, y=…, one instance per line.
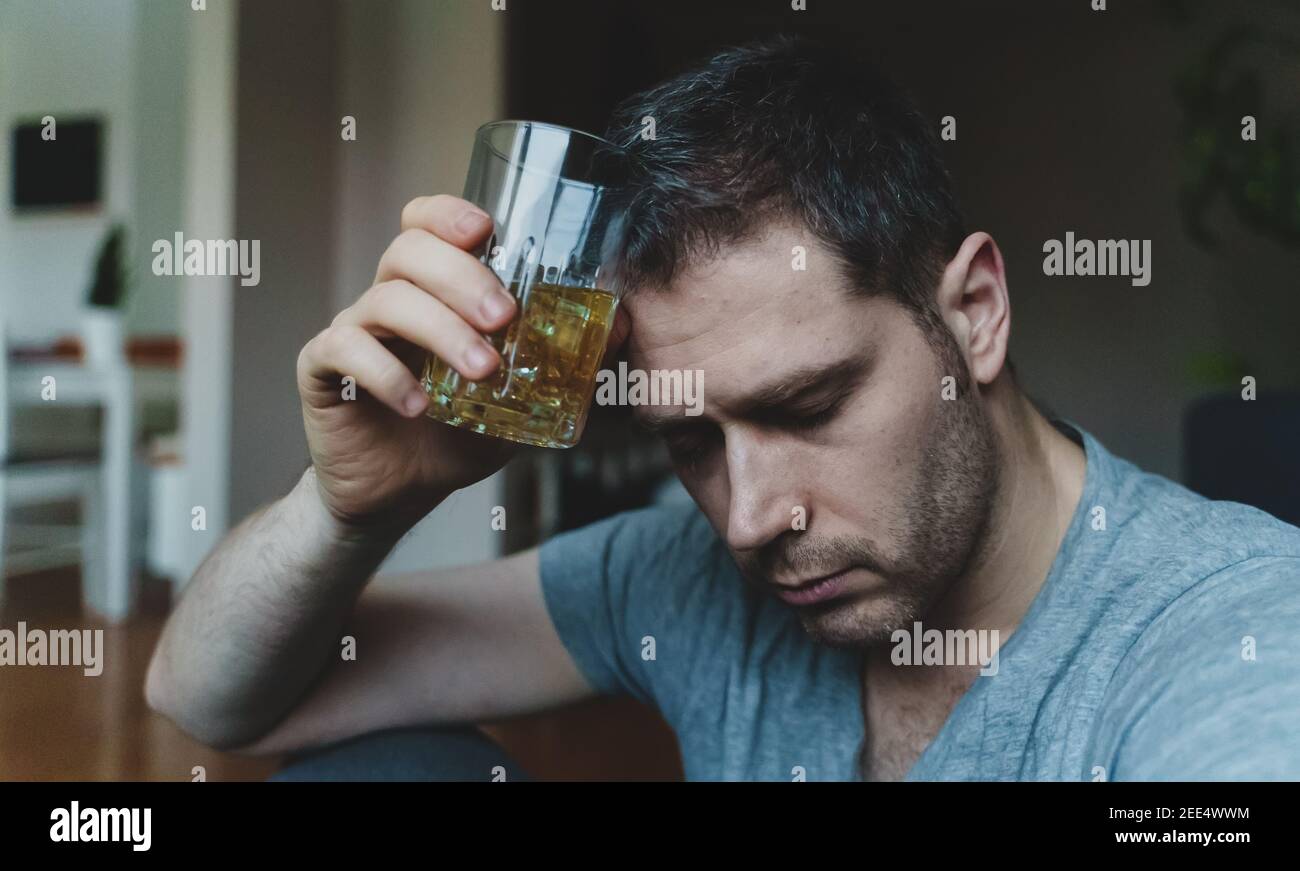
x=763, y=491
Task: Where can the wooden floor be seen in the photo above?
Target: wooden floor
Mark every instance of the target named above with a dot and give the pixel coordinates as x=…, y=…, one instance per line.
x=56, y=723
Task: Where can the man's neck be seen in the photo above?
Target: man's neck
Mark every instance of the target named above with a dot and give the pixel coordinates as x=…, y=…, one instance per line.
x=1042, y=474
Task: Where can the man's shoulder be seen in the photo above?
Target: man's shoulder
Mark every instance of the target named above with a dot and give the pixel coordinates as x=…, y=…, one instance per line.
x=1205, y=566
x=1166, y=528
x=1158, y=563
x=1203, y=602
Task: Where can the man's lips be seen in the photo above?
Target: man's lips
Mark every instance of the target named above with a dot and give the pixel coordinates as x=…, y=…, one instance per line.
x=812, y=591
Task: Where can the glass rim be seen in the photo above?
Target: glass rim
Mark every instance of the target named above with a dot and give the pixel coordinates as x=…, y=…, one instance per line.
x=481, y=134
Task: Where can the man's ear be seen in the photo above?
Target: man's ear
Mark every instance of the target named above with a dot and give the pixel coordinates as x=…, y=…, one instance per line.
x=974, y=303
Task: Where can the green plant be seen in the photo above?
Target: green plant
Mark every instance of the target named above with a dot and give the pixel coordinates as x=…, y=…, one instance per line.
x=108, y=289
x=1217, y=369
x=1258, y=178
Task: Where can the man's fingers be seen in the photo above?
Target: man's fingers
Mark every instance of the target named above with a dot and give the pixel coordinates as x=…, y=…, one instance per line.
x=346, y=349
x=458, y=221
x=443, y=270
x=399, y=308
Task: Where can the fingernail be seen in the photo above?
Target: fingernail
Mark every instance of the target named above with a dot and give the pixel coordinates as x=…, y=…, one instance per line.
x=472, y=220
x=496, y=305
x=480, y=356
x=415, y=401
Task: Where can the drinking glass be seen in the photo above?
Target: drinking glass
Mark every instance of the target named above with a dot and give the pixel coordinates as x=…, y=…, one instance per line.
x=555, y=234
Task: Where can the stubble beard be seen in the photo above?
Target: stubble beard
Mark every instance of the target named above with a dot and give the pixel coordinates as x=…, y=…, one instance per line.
x=945, y=524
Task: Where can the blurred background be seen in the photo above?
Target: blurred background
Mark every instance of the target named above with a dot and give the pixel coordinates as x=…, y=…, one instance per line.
x=177, y=393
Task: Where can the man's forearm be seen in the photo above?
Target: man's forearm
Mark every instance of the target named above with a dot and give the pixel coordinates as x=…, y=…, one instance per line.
x=260, y=617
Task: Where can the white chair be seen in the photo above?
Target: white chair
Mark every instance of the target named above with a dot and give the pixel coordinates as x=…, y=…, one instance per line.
x=27, y=547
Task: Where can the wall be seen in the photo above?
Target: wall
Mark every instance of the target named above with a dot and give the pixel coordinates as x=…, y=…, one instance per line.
x=62, y=58
x=161, y=58
x=108, y=58
x=284, y=198
x=209, y=194
x=419, y=77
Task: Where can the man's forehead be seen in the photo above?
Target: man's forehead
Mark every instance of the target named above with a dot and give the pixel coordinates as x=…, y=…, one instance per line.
x=752, y=324
x=769, y=284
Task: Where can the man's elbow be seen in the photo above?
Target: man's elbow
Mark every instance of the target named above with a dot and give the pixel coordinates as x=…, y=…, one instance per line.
x=190, y=712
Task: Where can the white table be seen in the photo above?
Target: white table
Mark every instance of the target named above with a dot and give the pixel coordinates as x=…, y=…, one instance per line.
x=119, y=390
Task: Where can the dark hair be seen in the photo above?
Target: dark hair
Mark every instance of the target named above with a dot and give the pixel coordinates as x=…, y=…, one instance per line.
x=786, y=127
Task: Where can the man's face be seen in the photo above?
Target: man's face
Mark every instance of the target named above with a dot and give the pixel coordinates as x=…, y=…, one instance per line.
x=826, y=456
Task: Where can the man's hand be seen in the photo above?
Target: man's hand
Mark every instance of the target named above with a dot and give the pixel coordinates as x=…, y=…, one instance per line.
x=379, y=461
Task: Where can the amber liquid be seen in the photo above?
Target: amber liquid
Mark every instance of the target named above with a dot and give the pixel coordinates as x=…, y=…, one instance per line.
x=541, y=392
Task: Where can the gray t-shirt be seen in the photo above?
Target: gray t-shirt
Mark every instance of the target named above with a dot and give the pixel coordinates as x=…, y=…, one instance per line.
x=1164, y=646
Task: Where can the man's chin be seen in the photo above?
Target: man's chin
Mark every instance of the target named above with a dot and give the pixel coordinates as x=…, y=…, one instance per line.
x=857, y=621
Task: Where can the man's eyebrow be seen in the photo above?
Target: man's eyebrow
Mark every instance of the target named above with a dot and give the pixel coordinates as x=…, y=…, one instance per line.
x=836, y=377
x=661, y=422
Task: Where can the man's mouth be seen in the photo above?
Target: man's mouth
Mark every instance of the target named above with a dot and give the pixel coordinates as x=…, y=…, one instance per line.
x=814, y=590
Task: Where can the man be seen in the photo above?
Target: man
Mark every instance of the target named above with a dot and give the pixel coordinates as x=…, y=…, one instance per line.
x=865, y=468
